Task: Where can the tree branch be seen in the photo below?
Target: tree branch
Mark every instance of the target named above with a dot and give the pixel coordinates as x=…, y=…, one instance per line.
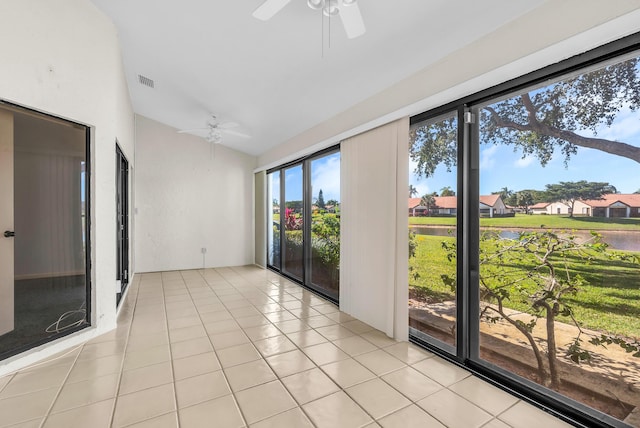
x=608, y=146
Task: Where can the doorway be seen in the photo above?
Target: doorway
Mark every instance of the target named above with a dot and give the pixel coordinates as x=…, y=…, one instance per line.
x=44, y=182
x=122, y=223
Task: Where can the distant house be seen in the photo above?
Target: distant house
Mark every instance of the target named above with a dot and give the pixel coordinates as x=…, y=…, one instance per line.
x=332, y=208
x=613, y=205
x=550, y=208
x=539, y=208
x=490, y=206
x=446, y=205
x=415, y=208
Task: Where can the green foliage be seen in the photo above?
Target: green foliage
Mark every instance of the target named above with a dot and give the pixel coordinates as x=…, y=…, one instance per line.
x=295, y=206
x=544, y=274
x=542, y=121
x=568, y=192
x=447, y=191
x=413, y=192
x=504, y=193
x=413, y=245
x=434, y=145
x=628, y=346
x=325, y=243
x=535, y=221
x=429, y=201
x=430, y=263
x=320, y=201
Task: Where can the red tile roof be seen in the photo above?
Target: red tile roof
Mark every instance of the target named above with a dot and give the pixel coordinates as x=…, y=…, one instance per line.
x=489, y=200
x=414, y=202
x=446, y=202
x=631, y=200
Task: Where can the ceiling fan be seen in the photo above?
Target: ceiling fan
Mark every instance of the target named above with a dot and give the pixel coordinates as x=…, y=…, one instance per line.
x=348, y=11
x=214, y=129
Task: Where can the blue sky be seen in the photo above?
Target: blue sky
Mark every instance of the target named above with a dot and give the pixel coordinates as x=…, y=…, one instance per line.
x=501, y=167
x=325, y=176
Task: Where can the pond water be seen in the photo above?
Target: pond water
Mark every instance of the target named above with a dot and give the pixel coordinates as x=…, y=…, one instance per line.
x=617, y=240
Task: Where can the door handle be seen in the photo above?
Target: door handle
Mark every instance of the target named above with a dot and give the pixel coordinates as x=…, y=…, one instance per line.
x=9, y=233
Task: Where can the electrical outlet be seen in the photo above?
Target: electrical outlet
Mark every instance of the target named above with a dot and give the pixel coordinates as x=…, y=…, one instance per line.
x=203, y=250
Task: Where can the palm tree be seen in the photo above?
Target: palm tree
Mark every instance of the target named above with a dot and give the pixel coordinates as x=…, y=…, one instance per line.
x=412, y=191
x=429, y=201
x=504, y=193
x=447, y=191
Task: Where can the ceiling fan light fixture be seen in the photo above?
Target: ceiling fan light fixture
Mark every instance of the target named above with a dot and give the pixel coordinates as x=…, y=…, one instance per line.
x=331, y=8
x=315, y=4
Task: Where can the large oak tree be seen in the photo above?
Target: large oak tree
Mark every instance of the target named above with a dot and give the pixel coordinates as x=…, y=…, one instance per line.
x=539, y=122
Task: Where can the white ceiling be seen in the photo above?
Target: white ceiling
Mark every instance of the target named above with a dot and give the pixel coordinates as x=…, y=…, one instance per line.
x=275, y=78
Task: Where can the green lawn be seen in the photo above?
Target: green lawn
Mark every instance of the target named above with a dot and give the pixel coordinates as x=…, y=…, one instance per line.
x=537, y=221
x=610, y=302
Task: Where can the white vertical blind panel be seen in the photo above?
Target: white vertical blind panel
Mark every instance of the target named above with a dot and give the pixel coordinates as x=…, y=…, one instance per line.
x=368, y=228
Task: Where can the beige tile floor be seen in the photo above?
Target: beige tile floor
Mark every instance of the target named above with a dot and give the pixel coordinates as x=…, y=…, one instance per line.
x=236, y=347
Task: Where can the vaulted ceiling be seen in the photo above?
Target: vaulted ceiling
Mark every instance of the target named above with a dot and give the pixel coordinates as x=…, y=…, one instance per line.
x=281, y=77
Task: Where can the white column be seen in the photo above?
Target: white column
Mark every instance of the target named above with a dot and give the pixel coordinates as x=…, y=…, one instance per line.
x=373, y=251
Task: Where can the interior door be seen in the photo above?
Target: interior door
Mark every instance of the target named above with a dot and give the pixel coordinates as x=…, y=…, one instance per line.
x=122, y=222
x=6, y=223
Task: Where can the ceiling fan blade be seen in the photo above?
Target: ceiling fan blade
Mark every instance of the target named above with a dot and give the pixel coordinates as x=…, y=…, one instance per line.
x=236, y=133
x=228, y=125
x=189, y=131
x=352, y=20
x=266, y=10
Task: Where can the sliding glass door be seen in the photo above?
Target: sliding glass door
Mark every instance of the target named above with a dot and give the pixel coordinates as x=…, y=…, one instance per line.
x=325, y=224
x=524, y=213
x=433, y=221
x=122, y=224
x=303, y=217
x=293, y=222
x=273, y=219
x=558, y=286
x=43, y=221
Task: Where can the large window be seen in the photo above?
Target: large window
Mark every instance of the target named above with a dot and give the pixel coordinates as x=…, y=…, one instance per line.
x=433, y=213
x=306, y=221
x=548, y=261
x=43, y=221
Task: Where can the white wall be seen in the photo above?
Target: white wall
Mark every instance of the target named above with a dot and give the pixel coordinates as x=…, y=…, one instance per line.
x=190, y=194
x=63, y=58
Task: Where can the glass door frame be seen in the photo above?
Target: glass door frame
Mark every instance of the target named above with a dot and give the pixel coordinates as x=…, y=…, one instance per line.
x=467, y=351
x=88, y=171
x=305, y=162
x=122, y=222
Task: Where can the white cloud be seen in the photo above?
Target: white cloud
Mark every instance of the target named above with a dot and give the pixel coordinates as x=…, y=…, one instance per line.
x=487, y=157
x=626, y=127
x=524, y=162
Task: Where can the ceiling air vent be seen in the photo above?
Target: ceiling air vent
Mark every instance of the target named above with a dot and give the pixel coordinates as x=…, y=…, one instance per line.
x=145, y=81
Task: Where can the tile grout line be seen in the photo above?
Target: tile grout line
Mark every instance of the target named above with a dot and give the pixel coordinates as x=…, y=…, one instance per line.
x=341, y=389
x=124, y=354
x=224, y=375
x=316, y=366
x=55, y=398
x=278, y=378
